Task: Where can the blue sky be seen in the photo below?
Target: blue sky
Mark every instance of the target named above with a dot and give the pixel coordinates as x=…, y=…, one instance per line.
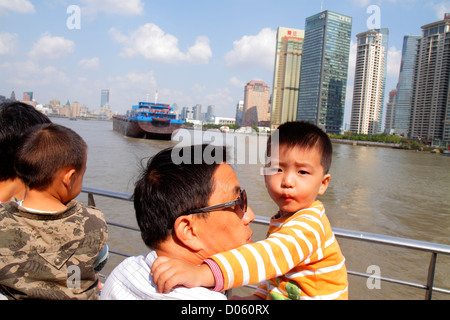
x=191, y=52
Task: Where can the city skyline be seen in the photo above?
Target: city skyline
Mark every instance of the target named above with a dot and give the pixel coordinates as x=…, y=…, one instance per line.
x=210, y=58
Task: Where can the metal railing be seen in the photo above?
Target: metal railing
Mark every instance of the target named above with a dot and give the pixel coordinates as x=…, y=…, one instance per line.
x=433, y=248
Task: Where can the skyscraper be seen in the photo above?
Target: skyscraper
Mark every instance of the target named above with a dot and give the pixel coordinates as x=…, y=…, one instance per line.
x=239, y=112
x=197, y=112
x=390, y=111
x=402, y=108
x=104, y=101
x=430, y=114
x=27, y=96
x=369, y=83
x=286, y=76
x=323, y=75
x=210, y=113
x=256, y=103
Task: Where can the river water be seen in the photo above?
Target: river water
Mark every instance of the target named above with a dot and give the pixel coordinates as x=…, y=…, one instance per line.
x=379, y=190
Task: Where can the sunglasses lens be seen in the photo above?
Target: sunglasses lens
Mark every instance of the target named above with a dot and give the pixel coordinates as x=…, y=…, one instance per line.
x=243, y=201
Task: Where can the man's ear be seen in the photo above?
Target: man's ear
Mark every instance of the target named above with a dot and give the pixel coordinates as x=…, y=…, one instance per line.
x=68, y=175
x=185, y=229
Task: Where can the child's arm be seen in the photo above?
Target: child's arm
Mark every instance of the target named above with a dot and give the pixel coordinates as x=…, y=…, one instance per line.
x=168, y=273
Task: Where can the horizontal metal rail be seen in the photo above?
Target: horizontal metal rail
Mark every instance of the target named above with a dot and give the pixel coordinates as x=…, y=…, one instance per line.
x=431, y=247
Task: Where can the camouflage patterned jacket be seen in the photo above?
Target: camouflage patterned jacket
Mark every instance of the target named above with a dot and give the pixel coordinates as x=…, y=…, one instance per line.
x=50, y=256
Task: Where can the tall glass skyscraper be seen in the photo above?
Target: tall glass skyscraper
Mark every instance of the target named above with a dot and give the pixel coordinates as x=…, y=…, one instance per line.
x=286, y=76
x=104, y=101
x=323, y=76
x=402, y=108
x=430, y=104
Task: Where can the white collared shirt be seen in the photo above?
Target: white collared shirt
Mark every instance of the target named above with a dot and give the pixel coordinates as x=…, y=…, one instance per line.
x=131, y=280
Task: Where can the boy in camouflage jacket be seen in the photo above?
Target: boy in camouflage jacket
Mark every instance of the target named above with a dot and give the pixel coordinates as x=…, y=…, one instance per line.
x=49, y=243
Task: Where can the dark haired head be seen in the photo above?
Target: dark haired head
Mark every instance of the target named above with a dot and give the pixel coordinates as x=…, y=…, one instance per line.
x=47, y=149
x=167, y=188
x=16, y=118
x=304, y=135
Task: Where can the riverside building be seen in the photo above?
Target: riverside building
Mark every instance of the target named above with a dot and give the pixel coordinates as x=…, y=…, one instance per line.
x=369, y=83
x=256, y=103
x=323, y=75
x=430, y=114
x=402, y=109
x=286, y=76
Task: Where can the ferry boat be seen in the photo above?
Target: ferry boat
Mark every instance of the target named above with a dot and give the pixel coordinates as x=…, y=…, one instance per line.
x=148, y=120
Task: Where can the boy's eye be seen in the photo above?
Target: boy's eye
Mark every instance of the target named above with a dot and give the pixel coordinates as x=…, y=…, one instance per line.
x=303, y=172
x=271, y=170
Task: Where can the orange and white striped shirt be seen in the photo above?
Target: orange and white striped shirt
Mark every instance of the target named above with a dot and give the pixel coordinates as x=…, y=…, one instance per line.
x=300, y=259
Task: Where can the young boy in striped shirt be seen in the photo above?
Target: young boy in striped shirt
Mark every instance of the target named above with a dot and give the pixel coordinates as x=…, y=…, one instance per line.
x=300, y=258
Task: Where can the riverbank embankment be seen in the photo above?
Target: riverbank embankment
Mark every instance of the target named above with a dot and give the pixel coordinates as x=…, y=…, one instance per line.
x=367, y=143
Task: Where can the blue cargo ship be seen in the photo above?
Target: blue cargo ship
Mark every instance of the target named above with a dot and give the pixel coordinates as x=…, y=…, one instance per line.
x=148, y=120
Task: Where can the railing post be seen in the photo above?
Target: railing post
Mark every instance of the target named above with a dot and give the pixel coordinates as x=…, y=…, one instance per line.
x=430, y=279
x=91, y=201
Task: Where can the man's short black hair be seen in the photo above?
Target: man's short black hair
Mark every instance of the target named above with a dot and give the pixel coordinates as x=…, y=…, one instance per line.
x=304, y=135
x=45, y=150
x=166, y=189
x=16, y=118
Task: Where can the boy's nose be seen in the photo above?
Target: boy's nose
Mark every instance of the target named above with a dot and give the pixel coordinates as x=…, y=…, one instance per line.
x=287, y=181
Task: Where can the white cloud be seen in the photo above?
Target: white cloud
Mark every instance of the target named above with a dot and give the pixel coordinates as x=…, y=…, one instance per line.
x=352, y=61
x=142, y=81
x=50, y=48
x=8, y=41
x=19, y=6
x=89, y=63
x=237, y=82
x=120, y=7
x=393, y=62
x=198, y=88
x=440, y=9
x=366, y=3
x=253, y=51
x=222, y=95
x=200, y=52
x=151, y=42
x=30, y=74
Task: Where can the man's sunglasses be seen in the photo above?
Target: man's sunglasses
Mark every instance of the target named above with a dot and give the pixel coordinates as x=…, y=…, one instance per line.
x=241, y=201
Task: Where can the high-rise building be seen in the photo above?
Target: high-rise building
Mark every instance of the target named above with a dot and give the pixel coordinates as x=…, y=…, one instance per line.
x=256, y=103
x=104, y=101
x=323, y=75
x=369, y=83
x=210, y=113
x=239, y=112
x=390, y=111
x=430, y=114
x=197, y=112
x=27, y=96
x=404, y=87
x=286, y=76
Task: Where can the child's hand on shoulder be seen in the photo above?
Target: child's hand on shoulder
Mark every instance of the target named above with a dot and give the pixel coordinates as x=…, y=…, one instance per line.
x=168, y=273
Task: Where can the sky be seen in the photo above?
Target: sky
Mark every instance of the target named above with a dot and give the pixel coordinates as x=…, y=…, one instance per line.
x=190, y=52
